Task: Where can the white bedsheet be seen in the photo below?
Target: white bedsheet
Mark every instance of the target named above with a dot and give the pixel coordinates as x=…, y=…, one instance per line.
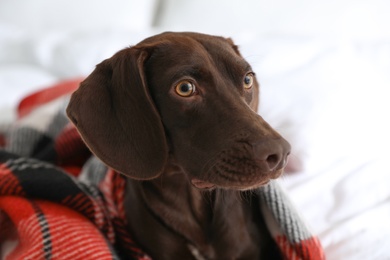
x=329, y=98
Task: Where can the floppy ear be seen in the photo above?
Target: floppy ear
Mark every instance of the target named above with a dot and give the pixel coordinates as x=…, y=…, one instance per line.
x=117, y=119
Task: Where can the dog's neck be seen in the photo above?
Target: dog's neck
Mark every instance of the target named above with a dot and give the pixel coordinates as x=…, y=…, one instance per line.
x=212, y=222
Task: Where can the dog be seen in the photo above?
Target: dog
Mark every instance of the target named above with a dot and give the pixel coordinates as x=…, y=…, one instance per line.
x=176, y=114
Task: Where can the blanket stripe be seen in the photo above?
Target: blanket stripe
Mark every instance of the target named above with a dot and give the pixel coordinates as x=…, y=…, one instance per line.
x=67, y=194
x=291, y=234
x=57, y=201
x=48, y=230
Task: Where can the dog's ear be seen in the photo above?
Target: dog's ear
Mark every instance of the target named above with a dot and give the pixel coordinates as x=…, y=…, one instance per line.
x=116, y=117
x=234, y=46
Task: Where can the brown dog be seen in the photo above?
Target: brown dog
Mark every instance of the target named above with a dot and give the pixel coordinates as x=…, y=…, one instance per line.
x=176, y=114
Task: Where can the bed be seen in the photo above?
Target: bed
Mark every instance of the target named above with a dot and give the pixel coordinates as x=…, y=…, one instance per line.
x=328, y=95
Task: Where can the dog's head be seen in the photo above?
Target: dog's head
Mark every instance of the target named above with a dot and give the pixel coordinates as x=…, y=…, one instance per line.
x=179, y=98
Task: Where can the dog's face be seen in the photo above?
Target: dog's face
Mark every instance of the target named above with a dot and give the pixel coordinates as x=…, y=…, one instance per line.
x=191, y=99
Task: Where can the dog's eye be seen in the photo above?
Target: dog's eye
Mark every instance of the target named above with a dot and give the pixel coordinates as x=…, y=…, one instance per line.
x=248, y=81
x=185, y=88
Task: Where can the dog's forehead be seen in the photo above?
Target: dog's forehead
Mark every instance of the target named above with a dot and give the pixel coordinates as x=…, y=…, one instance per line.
x=187, y=39
x=195, y=50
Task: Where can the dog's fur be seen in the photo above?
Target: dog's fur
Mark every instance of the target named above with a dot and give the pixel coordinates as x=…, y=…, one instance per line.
x=189, y=159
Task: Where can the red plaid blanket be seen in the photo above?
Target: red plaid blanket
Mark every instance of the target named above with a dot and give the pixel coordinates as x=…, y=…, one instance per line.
x=57, y=201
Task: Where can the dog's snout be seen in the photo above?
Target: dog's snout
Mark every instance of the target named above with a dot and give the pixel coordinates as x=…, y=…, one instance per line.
x=272, y=153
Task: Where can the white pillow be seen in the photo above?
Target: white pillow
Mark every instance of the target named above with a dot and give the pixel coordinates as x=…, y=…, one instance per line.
x=354, y=19
x=39, y=16
x=75, y=54
x=16, y=81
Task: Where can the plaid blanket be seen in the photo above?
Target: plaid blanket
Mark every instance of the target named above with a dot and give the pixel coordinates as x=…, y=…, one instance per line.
x=57, y=201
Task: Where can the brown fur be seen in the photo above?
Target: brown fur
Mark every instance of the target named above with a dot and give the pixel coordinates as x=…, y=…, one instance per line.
x=188, y=159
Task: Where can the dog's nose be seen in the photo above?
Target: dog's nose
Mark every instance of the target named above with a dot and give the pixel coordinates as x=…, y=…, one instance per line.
x=271, y=153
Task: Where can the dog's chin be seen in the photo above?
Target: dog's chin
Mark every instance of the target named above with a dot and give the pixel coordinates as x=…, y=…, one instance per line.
x=222, y=183
x=204, y=185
